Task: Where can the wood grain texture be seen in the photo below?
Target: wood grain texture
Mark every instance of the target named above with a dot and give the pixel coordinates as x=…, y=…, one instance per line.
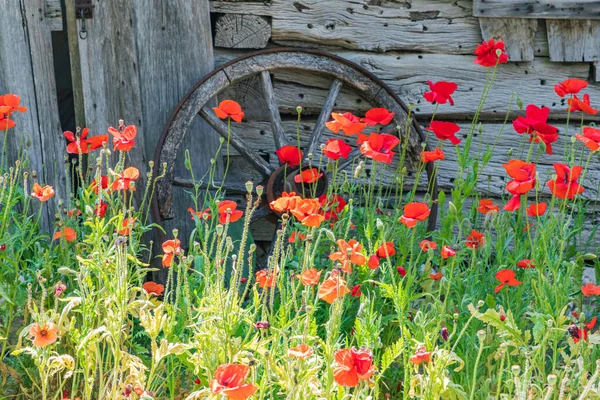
x=408, y=73
x=574, y=40
x=549, y=9
x=274, y=116
x=517, y=34
x=53, y=15
x=324, y=116
x=237, y=31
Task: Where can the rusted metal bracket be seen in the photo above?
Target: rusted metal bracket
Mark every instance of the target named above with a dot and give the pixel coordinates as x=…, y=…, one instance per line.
x=84, y=9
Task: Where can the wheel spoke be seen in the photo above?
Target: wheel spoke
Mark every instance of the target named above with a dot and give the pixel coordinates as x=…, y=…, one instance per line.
x=262, y=212
x=236, y=142
x=274, y=115
x=324, y=116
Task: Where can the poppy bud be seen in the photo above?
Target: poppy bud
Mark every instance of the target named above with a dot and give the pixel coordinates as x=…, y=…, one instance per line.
x=219, y=229
x=197, y=381
x=498, y=52
x=309, y=156
x=516, y=370
x=574, y=332
x=552, y=379
x=2, y=247
x=252, y=248
x=299, y=109
x=259, y=190
x=128, y=390
x=401, y=271
x=262, y=325
x=480, y=128
x=243, y=280
x=480, y=303
x=502, y=317
x=221, y=139
x=444, y=333
x=452, y=208
x=330, y=235
x=481, y=335
x=379, y=224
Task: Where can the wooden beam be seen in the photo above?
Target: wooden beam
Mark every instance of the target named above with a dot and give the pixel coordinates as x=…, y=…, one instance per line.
x=574, y=40
x=236, y=31
x=53, y=13
x=517, y=34
x=532, y=9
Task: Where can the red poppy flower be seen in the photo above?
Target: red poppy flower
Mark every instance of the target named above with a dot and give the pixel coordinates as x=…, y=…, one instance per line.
x=229, y=108
x=310, y=175
x=591, y=138
x=170, y=248
x=348, y=123
x=42, y=193
x=333, y=288
x=445, y=131
x=475, y=240
x=124, y=137
x=536, y=209
x=534, y=123
x=74, y=212
x=67, y=233
x=332, y=207
x=229, y=382
x=437, y=276
x=125, y=178
x=353, y=366
x=421, y=356
x=525, y=263
x=355, y=292
x=565, y=185
x=265, y=279
x=200, y=214
x=589, y=289
x=379, y=146
x=441, y=92
x=373, y=262
x=103, y=184
x=401, y=270
x=290, y=155
x=487, y=206
x=570, y=86
x=431, y=156
x=348, y=254
x=228, y=208
x=575, y=104
x=578, y=334
x=386, y=250
x=413, y=213
x=6, y=124
x=426, y=245
x=506, y=277
x=83, y=144
x=523, y=175
x=447, y=252
x=100, y=209
x=336, y=148
x=308, y=212
x=379, y=116
x=153, y=288
x=10, y=103
x=487, y=53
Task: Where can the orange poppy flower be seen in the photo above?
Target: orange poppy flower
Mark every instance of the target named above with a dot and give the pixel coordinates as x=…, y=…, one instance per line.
x=506, y=277
x=336, y=148
x=427, y=245
x=475, y=240
x=536, y=209
x=126, y=226
x=170, y=248
x=378, y=116
x=125, y=178
x=445, y=131
x=231, y=109
x=43, y=335
x=353, y=366
x=10, y=103
x=575, y=104
x=200, y=214
x=74, y=212
x=413, y=213
x=67, y=233
x=487, y=206
x=421, y=356
x=440, y=92
x=565, y=184
x=310, y=175
x=332, y=288
x=591, y=138
x=570, y=86
x=265, y=279
x=487, y=55
x=373, y=262
x=229, y=382
x=436, y=276
x=295, y=236
x=301, y=352
x=431, y=156
x=348, y=254
x=589, y=289
x=124, y=137
x=348, y=123
x=523, y=181
x=310, y=277
x=447, y=252
x=307, y=211
x=42, y=193
x=378, y=146
x=228, y=208
x=290, y=155
x=286, y=202
x=525, y=263
x=82, y=143
x=153, y=288
x=386, y=250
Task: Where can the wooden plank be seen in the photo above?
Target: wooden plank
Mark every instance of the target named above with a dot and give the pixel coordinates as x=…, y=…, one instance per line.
x=237, y=31
x=549, y=9
x=274, y=115
x=574, y=40
x=53, y=14
x=517, y=34
x=408, y=73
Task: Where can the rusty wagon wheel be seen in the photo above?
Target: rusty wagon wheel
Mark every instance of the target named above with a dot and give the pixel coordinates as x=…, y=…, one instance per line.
x=261, y=65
